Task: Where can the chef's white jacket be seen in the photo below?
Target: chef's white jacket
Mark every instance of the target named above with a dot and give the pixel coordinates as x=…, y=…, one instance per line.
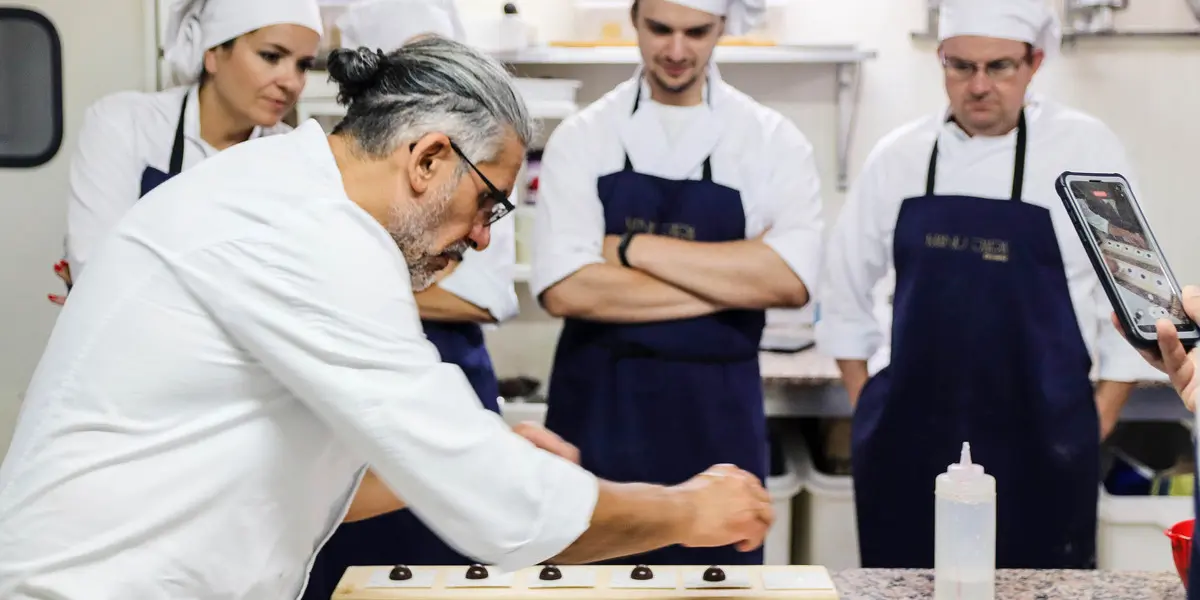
x=854, y=312
x=121, y=135
x=243, y=345
x=754, y=149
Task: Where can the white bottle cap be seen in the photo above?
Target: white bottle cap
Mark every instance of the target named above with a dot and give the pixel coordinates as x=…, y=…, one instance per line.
x=966, y=480
x=964, y=468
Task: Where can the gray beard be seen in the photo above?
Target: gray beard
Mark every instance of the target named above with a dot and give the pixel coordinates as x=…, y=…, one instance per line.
x=414, y=226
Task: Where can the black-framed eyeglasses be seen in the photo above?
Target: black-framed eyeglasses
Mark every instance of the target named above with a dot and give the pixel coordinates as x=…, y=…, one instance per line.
x=501, y=206
x=997, y=70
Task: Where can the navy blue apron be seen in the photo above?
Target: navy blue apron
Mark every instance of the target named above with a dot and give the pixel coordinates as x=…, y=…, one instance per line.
x=151, y=177
x=986, y=349
x=400, y=537
x=661, y=402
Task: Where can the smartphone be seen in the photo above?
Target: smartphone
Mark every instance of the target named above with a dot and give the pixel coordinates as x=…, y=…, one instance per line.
x=1127, y=258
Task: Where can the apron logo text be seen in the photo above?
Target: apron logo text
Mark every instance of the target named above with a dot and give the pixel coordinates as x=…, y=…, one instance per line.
x=988, y=249
x=681, y=231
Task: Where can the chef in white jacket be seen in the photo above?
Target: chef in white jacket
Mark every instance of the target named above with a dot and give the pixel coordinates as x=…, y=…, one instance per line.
x=995, y=314
x=672, y=212
x=477, y=291
x=236, y=69
x=247, y=343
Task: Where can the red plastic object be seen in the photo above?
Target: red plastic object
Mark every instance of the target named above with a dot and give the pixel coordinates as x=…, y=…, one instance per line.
x=1181, y=546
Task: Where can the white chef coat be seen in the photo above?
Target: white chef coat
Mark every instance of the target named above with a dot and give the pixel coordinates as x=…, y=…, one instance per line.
x=754, y=149
x=121, y=135
x=209, y=398
x=485, y=278
x=857, y=280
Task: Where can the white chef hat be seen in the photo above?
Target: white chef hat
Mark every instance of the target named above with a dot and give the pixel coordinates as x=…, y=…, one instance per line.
x=195, y=26
x=740, y=15
x=1030, y=21
x=388, y=24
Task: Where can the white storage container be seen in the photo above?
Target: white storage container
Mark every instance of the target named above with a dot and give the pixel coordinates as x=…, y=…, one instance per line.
x=825, y=524
x=783, y=488
x=549, y=98
x=1129, y=534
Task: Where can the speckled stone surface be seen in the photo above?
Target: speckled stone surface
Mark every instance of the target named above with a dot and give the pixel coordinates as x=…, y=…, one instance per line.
x=896, y=584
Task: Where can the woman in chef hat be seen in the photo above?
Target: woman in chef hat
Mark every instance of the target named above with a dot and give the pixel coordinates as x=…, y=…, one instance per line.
x=237, y=68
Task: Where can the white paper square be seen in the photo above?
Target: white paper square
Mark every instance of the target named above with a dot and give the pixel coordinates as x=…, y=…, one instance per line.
x=662, y=578
x=421, y=578
x=735, y=578
x=495, y=579
x=572, y=577
x=806, y=579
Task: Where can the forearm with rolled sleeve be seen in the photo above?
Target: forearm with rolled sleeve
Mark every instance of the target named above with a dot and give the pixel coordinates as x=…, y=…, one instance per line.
x=855, y=259
x=797, y=223
x=569, y=224
x=485, y=278
x=328, y=310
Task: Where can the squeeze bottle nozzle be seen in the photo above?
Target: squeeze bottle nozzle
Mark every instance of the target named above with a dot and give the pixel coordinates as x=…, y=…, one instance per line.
x=964, y=467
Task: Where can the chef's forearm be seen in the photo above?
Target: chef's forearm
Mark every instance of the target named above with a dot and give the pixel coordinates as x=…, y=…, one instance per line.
x=741, y=274
x=630, y=518
x=854, y=378
x=1111, y=397
x=372, y=499
x=604, y=292
x=437, y=304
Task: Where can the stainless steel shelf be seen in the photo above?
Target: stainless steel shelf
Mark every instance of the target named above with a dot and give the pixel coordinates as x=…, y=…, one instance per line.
x=628, y=55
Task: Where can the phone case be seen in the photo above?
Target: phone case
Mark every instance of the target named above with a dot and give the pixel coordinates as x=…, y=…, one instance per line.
x=1134, y=336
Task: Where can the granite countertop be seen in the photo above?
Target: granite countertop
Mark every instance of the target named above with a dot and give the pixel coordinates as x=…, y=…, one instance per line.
x=897, y=584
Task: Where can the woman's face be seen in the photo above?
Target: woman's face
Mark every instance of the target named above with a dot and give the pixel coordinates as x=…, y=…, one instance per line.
x=260, y=76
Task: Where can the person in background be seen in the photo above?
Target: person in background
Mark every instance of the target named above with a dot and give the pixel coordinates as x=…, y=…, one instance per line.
x=236, y=69
x=247, y=343
x=479, y=290
x=996, y=313
x=672, y=212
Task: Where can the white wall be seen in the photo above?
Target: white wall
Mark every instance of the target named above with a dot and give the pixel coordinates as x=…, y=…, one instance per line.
x=1145, y=89
x=96, y=60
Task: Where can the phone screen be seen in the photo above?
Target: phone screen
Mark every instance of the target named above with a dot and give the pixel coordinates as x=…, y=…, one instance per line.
x=1134, y=262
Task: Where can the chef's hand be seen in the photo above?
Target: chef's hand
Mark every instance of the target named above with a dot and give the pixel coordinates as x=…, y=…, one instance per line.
x=728, y=506
x=1172, y=358
x=547, y=440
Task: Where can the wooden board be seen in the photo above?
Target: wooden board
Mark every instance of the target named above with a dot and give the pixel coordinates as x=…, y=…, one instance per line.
x=798, y=582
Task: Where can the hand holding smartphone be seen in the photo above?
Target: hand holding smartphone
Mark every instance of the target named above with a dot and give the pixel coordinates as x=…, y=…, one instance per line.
x=1126, y=256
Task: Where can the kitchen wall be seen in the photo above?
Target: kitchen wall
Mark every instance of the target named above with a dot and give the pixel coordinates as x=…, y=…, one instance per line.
x=1145, y=89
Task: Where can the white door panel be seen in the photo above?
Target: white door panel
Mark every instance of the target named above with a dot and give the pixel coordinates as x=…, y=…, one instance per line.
x=105, y=48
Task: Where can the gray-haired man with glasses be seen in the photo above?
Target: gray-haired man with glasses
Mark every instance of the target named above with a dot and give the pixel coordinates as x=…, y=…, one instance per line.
x=996, y=315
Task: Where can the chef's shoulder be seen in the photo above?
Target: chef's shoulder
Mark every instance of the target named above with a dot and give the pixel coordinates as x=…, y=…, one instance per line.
x=147, y=112
x=595, y=125
x=1071, y=127
x=760, y=128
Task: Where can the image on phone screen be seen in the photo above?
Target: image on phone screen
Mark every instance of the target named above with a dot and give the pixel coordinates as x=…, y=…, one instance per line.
x=1141, y=278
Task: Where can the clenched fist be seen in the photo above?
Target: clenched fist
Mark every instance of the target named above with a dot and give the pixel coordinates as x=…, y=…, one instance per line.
x=728, y=506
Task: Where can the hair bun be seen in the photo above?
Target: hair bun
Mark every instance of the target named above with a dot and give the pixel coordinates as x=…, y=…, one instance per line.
x=355, y=71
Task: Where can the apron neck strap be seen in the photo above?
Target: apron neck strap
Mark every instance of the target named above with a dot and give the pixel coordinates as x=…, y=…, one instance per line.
x=637, y=100
x=1018, y=183
x=177, y=146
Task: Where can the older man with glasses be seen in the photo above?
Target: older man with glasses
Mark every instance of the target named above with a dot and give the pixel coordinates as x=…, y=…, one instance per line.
x=996, y=315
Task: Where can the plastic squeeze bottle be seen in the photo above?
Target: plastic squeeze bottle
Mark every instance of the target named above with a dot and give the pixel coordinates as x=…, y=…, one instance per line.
x=965, y=532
